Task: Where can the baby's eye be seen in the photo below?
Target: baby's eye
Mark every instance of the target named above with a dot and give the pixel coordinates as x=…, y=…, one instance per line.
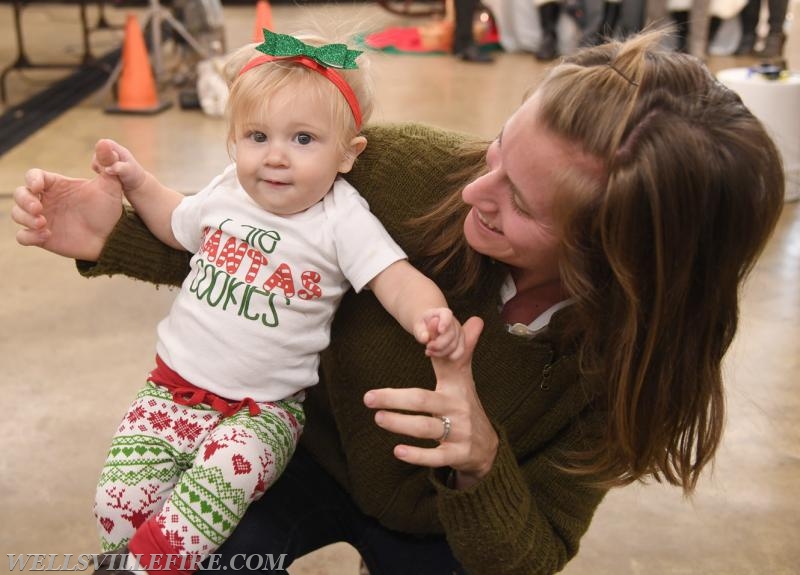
x=304, y=139
x=258, y=137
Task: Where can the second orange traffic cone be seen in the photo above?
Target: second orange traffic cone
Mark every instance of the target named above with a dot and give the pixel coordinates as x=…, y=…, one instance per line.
x=263, y=20
x=136, y=89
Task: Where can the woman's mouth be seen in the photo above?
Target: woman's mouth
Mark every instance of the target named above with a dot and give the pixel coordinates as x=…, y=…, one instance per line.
x=482, y=219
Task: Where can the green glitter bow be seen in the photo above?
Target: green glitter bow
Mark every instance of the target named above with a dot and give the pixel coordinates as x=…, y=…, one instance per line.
x=330, y=55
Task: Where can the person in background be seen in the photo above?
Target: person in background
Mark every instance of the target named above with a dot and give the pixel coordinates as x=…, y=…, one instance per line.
x=598, y=246
x=776, y=37
x=607, y=26
x=689, y=24
x=592, y=29
x=464, y=45
x=549, y=13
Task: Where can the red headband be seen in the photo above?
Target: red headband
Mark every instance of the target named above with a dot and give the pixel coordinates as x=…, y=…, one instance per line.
x=330, y=74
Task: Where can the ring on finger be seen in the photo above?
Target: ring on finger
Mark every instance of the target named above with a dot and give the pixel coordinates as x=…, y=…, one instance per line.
x=446, y=425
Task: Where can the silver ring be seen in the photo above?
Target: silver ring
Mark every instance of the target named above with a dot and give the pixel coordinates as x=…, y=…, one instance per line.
x=445, y=428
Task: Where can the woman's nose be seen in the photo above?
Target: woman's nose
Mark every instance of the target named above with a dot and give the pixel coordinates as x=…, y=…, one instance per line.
x=479, y=192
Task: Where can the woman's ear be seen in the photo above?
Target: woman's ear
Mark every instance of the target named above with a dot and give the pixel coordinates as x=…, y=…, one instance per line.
x=352, y=151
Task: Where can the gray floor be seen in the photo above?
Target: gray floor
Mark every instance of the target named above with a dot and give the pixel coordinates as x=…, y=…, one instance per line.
x=73, y=351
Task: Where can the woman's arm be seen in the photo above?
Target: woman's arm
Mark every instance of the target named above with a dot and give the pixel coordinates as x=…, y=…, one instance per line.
x=538, y=413
x=132, y=250
x=416, y=155
x=523, y=517
x=482, y=487
x=451, y=414
x=85, y=219
x=398, y=157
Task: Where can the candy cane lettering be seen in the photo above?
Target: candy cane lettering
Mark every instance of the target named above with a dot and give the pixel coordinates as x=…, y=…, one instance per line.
x=281, y=279
x=232, y=254
x=310, y=280
x=211, y=245
x=257, y=259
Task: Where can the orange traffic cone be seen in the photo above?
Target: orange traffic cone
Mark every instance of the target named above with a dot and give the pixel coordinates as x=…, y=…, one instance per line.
x=136, y=89
x=263, y=20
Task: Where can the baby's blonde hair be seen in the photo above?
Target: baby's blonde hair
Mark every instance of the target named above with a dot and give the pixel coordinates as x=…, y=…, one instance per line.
x=250, y=90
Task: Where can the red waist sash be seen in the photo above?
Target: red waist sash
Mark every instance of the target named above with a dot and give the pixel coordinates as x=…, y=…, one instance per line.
x=186, y=393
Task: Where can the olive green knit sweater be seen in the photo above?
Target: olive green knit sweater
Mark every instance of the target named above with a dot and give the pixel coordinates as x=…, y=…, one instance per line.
x=526, y=517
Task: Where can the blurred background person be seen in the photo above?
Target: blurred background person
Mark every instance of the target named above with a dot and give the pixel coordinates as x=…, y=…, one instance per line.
x=607, y=26
x=776, y=37
x=464, y=44
x=549, y=12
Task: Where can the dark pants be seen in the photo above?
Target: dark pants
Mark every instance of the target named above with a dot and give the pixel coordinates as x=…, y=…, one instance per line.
x=462, y=35
x=307, y=509
x=752, y=10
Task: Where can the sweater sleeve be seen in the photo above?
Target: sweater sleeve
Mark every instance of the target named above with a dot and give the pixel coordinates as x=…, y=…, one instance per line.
x=398, y=156
x=133, y=251
x=524, y=518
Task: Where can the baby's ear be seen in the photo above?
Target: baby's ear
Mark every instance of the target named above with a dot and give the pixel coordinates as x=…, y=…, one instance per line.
x=352, y=150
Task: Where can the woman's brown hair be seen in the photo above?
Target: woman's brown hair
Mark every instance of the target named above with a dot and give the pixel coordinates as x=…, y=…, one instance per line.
x=654, y=254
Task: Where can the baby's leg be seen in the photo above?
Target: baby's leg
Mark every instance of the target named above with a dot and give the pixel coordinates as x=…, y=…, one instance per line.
x=155, y=442
x=233, y=467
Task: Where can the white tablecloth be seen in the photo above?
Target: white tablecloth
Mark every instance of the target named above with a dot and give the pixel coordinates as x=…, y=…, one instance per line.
x=777, y=104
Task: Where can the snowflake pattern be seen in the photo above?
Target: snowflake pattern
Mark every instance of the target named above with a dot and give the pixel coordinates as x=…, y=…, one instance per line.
x=186, y=429
x=145, y=477
x=159, y=420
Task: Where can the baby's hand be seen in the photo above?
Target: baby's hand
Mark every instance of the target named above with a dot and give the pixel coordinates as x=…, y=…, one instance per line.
x=114, y=160
x=441, y=333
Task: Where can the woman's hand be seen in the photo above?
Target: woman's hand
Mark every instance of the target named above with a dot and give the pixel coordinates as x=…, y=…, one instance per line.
x=67, y=216
x=470, y=445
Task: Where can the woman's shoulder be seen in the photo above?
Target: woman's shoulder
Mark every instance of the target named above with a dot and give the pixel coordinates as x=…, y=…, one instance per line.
x=407, y=168
x=412, y=137
x=413, y=149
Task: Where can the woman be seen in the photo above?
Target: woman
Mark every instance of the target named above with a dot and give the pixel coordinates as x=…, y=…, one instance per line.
x=603, y=246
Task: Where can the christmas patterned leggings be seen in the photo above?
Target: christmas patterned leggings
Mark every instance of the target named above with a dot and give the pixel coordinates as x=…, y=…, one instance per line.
x=178, y=479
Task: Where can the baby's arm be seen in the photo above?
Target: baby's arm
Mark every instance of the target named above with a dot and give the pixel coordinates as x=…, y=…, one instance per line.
x=153, y=201
x=420, y=307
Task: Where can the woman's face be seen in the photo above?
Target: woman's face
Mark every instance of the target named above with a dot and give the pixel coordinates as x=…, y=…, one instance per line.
x=511, y=219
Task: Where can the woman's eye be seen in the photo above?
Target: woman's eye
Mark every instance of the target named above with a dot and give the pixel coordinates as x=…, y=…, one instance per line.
x=258, y=137
x=304, y=139
x=516, y=207
x=492, y=153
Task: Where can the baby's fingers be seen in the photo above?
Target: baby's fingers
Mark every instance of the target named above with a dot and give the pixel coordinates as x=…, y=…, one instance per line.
x=445, y=321
x=449, y=344
x=427, y=329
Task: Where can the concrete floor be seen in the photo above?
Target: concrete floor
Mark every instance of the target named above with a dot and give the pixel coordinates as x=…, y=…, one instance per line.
x=65, y=338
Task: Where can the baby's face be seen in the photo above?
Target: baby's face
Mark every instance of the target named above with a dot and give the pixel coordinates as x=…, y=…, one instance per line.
x=288, y=159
